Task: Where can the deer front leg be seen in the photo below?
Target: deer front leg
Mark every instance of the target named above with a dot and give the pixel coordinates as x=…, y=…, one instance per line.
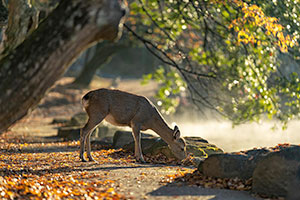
x=137, y=144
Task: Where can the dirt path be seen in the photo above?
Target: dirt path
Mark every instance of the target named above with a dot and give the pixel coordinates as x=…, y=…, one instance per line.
x=35, y=164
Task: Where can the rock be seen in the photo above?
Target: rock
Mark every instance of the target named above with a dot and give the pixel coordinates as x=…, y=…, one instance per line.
x=293, y=191
x=123, y=138
x=78, y=119
x=194, y=140
x=196, y=161
x=71, y=129
x=203, y=149
x=160, y=146
x=196, y=150
x=155, y=145
x=103, y=142
x=200, y=147
x=195, y=145
x=147, y=144
x=277, y=174
x=150, y=144
x=69, y=133
x=105, y=130
x=231, y=165
x=59, y=121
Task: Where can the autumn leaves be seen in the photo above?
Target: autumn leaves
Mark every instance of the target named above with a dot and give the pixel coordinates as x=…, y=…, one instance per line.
x=37, y=171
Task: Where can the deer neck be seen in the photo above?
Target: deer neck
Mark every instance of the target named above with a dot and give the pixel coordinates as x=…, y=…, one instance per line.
x=162, y=129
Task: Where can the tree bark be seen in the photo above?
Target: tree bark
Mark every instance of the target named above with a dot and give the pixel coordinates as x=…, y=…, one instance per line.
x=3, y=15
x=104, y=51
x=34, y=66
x=21, y=22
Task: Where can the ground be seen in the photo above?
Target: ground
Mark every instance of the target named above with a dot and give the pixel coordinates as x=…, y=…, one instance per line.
x=34, y=164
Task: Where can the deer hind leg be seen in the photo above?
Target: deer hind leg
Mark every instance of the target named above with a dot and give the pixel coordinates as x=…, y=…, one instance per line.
x=137, y=143
x=88, y=143
x=85, y=135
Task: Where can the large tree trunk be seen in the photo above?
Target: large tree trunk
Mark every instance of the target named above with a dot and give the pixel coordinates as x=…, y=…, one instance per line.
x=22, y=20
x=34, y=66
x=104, y=51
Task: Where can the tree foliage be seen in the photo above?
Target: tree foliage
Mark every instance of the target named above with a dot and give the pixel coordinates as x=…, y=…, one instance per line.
x=227, y=52
x=171, y=86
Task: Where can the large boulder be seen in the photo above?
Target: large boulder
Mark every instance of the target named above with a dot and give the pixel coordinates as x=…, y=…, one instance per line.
x=278, y=174
x=123, y=138
x=293, y=191
x=232, y=165
x=155, y=145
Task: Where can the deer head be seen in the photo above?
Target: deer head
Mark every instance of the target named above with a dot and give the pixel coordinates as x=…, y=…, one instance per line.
x=178, y=145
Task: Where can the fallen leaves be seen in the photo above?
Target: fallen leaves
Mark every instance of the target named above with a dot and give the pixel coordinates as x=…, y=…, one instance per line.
x=177, y=176
x=195, y=178
x=52, y=171
x=161, y=159
x=57, y=187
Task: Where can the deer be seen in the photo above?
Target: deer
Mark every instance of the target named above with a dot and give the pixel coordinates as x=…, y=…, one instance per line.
x=121, y=108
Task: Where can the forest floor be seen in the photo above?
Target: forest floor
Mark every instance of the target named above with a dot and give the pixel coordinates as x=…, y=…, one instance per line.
x=34, y=164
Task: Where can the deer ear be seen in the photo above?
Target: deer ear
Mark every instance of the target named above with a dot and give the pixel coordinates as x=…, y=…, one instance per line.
x=176, y=128
x=176, y=133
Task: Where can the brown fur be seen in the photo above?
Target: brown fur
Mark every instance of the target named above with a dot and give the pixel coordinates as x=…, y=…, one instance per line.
x=125, y=109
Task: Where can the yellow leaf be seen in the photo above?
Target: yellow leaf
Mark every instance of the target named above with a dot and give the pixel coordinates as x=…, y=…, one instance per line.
x=258, y=43
x=110, y=190
x=280, y=36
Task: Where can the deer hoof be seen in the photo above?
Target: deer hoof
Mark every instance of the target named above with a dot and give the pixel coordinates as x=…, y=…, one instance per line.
x=82, y=158
x=91, y=159
x=140, y=160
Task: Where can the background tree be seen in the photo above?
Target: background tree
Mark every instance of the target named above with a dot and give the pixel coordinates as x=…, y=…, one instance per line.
x=101, y=54
x=32, y=67
x=226, y=51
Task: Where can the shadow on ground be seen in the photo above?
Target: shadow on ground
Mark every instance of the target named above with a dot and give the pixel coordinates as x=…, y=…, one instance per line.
x=90, y=167
x=205, y=193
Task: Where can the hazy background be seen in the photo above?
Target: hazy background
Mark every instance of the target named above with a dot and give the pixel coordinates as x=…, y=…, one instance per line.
x=241, y=137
